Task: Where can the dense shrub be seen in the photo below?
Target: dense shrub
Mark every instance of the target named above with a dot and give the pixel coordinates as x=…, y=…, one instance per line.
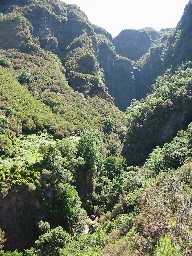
x=51, y=243
x=166, y=247
x=4, y=63
x=172, y=154
x=61, y=204
x=25, y=78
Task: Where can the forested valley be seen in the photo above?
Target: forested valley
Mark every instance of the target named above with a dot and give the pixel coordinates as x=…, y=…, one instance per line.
x=95, y=135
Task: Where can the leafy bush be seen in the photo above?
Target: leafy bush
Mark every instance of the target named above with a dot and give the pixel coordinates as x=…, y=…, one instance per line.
x=4, y=63
x=52, y=242
x=166, y=247
x=25, y=78
x=6, y=144
x=172, y=154
x=113, y=167
x=61, y=204
x=86, y=245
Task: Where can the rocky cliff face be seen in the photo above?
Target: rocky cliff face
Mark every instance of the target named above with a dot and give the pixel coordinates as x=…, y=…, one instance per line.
x=18, y=216
x=179, y=48
x=133, y=44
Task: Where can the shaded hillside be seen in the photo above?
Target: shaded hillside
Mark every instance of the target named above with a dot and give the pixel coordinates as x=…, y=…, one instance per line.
x=119, y=73
x=179, y=46
x=172, y=49
x=133, y=44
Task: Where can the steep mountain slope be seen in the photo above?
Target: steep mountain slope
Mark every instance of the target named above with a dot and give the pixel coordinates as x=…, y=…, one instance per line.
x=92, y=65
x=173, y=49
x=179, y=47
x=119, y=73
x=41, y=79
x=156, y=119
x=167, y=109
x=47, y=25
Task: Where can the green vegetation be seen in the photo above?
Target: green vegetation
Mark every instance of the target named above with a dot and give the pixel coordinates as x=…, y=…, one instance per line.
x=156, y=119
x=4, y=63
x=79, y=177
x=166, y=247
